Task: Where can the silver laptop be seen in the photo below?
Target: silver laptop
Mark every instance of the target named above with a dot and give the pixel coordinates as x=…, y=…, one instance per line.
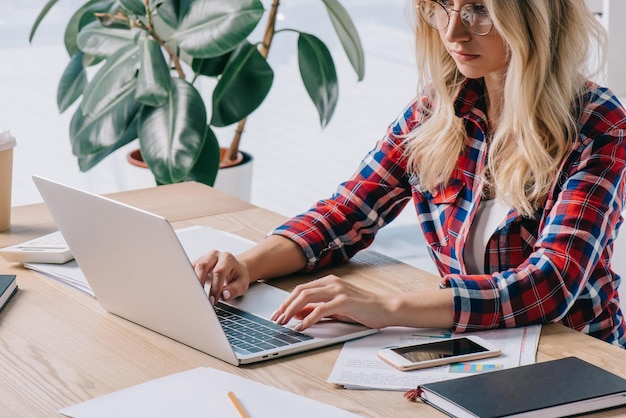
x=138, y=270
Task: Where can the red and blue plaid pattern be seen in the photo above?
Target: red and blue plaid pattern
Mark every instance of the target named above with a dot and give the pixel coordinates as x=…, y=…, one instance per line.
x=553, y=267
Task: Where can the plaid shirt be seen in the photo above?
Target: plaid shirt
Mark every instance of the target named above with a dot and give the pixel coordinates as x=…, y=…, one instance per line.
x=553, y=267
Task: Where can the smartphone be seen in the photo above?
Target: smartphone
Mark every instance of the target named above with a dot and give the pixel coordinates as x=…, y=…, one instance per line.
x=439, y=352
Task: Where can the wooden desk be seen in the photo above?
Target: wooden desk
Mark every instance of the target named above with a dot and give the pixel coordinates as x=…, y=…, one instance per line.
x=59, y=347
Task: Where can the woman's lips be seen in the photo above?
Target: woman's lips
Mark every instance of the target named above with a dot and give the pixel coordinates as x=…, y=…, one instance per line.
x=463, y=56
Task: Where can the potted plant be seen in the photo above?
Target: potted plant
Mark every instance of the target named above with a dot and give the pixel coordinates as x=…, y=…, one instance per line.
x=147, y=57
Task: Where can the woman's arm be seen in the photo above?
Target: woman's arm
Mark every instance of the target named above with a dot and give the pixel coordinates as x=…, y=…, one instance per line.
x=331, y=232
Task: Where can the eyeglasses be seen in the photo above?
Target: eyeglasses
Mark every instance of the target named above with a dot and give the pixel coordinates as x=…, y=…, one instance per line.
x=474, y=17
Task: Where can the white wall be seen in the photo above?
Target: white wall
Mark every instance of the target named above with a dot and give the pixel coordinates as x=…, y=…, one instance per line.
x=612, y=14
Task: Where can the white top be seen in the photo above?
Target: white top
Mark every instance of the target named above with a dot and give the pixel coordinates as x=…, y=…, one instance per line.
x=6, y=140
x=490, y=214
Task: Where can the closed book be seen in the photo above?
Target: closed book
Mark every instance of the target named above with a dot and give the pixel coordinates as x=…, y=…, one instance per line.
x=8, y=287
x=555, y=388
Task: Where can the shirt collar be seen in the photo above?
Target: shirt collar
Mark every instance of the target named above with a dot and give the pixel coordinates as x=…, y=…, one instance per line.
x=470, y=98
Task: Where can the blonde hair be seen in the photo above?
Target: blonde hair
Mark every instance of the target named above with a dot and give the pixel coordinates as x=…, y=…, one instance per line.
x=550, y=44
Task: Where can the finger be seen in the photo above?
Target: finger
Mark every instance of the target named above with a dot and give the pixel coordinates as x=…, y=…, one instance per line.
x=321, y=311
x=216, y=278
x=292, y=304
x=223, y=274
x=304, y=312
x=203, y=266
x=307, y=310
x=295, y=294
x=304, y=287
x=313, y=295
x=237, y=286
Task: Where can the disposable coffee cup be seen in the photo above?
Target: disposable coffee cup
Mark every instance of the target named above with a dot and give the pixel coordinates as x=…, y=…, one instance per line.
x=7, y=143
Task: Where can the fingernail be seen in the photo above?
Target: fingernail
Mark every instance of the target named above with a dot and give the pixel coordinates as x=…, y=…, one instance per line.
x=212, y=300
x=226, y=294
x=298, y=327
x=274, y=315
x=281, y=319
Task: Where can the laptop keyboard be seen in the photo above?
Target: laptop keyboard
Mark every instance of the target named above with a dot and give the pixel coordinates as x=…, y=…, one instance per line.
x=249, y=333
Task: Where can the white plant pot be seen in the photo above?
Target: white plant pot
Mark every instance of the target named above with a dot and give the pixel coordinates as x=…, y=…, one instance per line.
x=236, y=180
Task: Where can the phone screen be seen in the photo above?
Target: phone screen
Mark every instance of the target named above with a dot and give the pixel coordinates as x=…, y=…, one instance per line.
x=439, y=349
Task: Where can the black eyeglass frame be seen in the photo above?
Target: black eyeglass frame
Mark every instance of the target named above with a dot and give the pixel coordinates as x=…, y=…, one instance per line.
x=422, y=10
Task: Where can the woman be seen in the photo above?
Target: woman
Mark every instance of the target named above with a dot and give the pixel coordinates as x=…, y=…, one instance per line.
x=520, y=223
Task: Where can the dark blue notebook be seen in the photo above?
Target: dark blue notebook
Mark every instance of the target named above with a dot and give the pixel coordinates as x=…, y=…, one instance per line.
x=8, y=287
x=555, y=388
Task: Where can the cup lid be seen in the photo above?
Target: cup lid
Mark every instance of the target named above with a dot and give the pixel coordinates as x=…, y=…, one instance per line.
x=6, y=140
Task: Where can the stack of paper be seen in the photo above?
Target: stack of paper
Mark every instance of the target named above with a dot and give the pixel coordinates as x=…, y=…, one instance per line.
x=68, y=273
x=358, y=365
x=202, y=392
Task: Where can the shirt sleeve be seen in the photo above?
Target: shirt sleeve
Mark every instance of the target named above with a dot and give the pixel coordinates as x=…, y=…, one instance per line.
x=573, y=248
x=335, y=229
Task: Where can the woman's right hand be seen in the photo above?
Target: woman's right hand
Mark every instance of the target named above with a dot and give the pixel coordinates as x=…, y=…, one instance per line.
x=230, y=276
x=225, y=275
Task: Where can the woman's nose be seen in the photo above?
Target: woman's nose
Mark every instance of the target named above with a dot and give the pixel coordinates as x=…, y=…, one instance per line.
x=456, y=30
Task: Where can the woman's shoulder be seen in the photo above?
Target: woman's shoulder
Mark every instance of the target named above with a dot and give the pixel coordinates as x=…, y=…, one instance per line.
x=415, y=112
x=600, y=107
x=599, y=111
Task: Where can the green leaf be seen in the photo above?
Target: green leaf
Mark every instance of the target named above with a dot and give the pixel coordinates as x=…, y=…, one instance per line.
x=318, y=74
x=136, y=7
x=89, y=60
x=87, y=162
x=40, y=17
x=103, y=42
x=153, y=80
x=211, y=67
x=173, y=11
x=111, y=80
x=244, y=84
x=212, y=28
x=82, y=17
x=348, y=35
x=73, y=82
x=171, y=136
x=208, y=164
x=96, y=133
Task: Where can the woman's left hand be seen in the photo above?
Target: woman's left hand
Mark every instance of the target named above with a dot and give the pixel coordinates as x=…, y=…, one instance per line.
x=333, y=297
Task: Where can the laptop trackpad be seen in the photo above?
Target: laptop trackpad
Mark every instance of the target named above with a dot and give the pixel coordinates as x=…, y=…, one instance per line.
x=261, y=299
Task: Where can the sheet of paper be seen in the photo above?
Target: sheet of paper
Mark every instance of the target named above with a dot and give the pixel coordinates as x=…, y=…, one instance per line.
x=358, y=365
x=196, y=240
x=68, y=273
x=202, y=392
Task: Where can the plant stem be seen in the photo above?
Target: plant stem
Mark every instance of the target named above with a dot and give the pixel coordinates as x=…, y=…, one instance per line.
x=264, y=49
x=148, y=13
x=270, y=28
x=149, y=28
x=173, y=56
